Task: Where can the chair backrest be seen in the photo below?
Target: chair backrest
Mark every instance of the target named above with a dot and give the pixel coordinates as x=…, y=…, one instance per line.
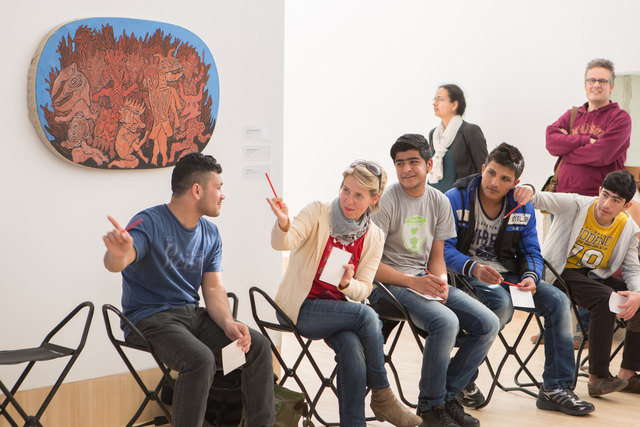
x=391, y=312
x=85, y=330
x=106, y=308
x=290, y=326
x=389, y=307
x=233, y=303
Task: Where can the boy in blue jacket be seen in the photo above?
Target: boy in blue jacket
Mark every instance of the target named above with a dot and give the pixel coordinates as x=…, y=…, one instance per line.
x=495, y=244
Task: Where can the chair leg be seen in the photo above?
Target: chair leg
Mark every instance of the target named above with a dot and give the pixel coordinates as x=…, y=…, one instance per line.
x=389, y=361
x=511, y=351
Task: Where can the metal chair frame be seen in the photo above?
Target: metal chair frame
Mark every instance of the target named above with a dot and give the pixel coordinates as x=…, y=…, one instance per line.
x=580, y=360
x=290, y=371
x=394, y=317
x=150, y=395
x=46, y=351
x=511, y=350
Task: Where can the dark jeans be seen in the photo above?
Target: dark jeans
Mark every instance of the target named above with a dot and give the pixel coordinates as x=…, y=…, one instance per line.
x=187, y=340
x=593, y=295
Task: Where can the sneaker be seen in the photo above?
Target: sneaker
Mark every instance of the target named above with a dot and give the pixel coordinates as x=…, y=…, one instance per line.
x=604, y=385
x=534, y=338
x=470, y=396
x=563, y=400
x=633, y=385
x=438, y=416
x=577, y=340
x=454, y=408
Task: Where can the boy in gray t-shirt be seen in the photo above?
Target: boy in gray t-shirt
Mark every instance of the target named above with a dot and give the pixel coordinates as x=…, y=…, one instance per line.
x=417, y=220
x=411, y=225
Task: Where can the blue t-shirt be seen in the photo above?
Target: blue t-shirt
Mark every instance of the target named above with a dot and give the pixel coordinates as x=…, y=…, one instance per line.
x=170, y=262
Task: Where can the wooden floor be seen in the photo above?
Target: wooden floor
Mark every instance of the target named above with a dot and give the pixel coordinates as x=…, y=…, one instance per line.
x=505, y=408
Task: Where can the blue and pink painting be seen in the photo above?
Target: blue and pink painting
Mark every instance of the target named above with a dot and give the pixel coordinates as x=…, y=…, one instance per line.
x=118, y=93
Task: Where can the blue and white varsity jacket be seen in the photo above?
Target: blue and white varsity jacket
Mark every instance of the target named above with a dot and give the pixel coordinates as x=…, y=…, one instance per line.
x=517, y=246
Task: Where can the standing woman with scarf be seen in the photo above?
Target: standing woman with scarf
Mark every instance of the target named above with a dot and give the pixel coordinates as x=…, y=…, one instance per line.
x=321, y=310
x=459, y=147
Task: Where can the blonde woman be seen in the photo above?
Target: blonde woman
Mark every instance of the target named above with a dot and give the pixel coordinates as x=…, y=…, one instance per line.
x=321, y=310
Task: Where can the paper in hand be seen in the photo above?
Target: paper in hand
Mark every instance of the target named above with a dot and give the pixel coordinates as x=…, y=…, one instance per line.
x=333, y=269
x=425, y=296
x=615, y=300
x=232, y=357
x=523, y=299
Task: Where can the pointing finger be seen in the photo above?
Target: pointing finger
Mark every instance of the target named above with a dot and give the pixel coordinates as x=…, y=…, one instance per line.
x=115, y=223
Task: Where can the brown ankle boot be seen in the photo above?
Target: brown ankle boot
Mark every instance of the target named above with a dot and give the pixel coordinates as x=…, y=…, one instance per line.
x=386, y=407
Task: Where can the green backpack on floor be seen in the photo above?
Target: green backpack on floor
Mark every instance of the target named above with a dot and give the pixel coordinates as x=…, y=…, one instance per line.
x=290, y=408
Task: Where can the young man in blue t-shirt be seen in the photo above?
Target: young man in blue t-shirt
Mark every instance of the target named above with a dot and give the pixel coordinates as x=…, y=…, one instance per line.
x=164, y=261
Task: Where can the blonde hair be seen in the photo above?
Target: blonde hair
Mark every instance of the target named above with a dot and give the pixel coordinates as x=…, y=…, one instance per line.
x=370, y=181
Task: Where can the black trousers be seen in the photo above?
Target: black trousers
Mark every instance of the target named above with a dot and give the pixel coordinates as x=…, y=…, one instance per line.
x=593, y=295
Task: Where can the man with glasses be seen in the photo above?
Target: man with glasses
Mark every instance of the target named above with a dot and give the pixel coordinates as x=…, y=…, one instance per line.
x=417, y=219
x=598, y=140
x=595, y=145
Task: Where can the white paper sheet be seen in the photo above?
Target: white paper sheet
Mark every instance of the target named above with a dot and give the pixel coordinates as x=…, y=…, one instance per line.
x=615, y=300
x=425, y=296
x=232, y=357
x=520, y=298
x=333, y=269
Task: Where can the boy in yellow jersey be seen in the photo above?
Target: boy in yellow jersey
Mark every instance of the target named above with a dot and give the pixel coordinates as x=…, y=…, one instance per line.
x=589, y=240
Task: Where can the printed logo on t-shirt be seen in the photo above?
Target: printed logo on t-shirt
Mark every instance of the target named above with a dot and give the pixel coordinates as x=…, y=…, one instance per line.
x=414, y=233
x=183, y=261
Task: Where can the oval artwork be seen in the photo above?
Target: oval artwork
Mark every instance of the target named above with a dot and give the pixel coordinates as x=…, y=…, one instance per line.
x=123, y=93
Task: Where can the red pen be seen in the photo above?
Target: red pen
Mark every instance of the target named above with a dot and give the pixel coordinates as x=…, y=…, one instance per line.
x=512, y=284
x=511, y=211
x=133, y=224
x=441, y=285
x=272, y=189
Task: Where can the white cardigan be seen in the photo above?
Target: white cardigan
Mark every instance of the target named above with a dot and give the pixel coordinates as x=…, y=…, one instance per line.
x=306, y=239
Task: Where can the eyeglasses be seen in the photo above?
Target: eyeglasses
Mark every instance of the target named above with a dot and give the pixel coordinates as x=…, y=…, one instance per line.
x=439, y=99
x=593, y=81
x=372, y=167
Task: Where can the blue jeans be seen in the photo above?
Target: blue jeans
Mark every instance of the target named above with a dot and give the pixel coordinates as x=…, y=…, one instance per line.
x=354, y=332
x=442, y=378
x=187, y=340
x=553, y=305
x=585, y=316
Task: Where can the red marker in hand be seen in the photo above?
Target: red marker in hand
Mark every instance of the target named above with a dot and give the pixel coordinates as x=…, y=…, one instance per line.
x=511, y=211
x=512, y=284
x=133, y=224
x=441, y=285
x=272, y=189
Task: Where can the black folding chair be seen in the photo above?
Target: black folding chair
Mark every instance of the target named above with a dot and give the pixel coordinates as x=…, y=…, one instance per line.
x=394, y=317
x=290, y=371
x=580, y=360
x=46, y=351
x=154, y=394
x=511, y=350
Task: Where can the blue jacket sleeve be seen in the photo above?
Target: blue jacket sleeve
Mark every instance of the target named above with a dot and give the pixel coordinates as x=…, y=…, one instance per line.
x=456, y=260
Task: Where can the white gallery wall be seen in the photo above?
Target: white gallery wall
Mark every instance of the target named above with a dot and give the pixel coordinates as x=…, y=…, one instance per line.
x=360, y=73
x=53, y=213
x=352, y=76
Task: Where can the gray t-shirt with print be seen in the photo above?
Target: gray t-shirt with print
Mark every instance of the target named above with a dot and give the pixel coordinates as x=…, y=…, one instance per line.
x=412, y=225
x=483, y=245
